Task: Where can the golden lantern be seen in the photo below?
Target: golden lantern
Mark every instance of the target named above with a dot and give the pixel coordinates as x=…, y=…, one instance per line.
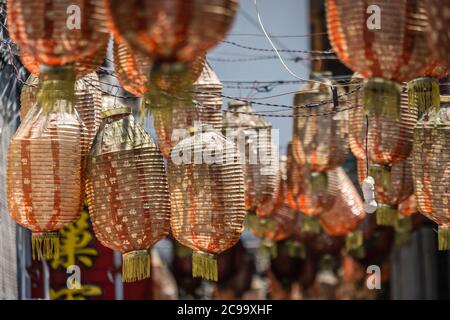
x=127, y=191
x=319, y=142
x=431, y=163
x=253, y=135
x=361, y=41
x=207, y=93
x=347, y=211
x=172, y=33
x=439, y=18
x=206, y=186
x=45, y=165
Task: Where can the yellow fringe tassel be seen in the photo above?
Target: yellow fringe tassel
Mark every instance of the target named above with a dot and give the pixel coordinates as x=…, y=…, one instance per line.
x=354, y=240
x=382, y=176
x=204, y=265
x=403, y=227
x=382, y=97
x=386, y=215
x=136, y=266
x=424, y=94
x=318, y=182
x=268, y=248
x=45, y=245
x=296, y=249
x=55, y=84
x=444, y=238
x=310, y=223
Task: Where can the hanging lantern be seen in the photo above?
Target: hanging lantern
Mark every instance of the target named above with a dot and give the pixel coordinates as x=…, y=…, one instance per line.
x=384, y=53
x=319, y=141
x=47, y=31
x=438, y=13
x=431, y=163
x=207, y=92
x=28, y=95
x=45, y=166
x=127, y=191
x=171, y=33
x=347, y=211
x=253, y=135
x=302, y=198
x=206, y=186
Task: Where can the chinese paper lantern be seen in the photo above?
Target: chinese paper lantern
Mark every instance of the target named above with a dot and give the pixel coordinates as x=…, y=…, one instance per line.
x=207, y=92
x=319, y=141
x=207, y=197
x=347, y=211
x=45, y=166
x=387, y=47
x=28, y=95
x=58, y=32
x=171, y=33
x=253, y=135
x=302, y=198
x=127, y=191
x=431, y=163
x=439, y=38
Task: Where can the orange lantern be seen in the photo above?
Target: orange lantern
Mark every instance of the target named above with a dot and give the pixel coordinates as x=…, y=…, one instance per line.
x=347, y=212
x=431, y=163
x=171, y=33
x=319, y=142
x=206, y=184
x=127, y=191
x=253, y=135
x=384, y=53
x=45, y=166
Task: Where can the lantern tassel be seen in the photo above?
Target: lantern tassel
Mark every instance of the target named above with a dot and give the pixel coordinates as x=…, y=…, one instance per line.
x=45, y=245
x=318, y=181
x=382, y=97
x=403, y=227
x=382, y=176
x=296, y=249
x=136, y=266
x=386, y=215
x=56, y=84
x=424, y=94
x=204, y=265
x=268, y=248
x=444, y=238
x=310, y=223
x=354, y=244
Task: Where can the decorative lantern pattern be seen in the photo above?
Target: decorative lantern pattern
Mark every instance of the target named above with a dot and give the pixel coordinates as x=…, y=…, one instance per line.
x=45, y=167
x=207, y=197
x=431, y=165
x=207, y=92
x=363, y=48
x=127, y=191
x=44, y=29
x=318, y=142
x=260, y=157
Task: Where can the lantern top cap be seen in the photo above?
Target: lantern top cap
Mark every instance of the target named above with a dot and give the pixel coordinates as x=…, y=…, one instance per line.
x=116, y=112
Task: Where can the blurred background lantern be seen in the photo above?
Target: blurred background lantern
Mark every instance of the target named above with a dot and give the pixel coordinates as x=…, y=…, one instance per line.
x=360, y=43
x=171, y=33
x=207, y=197
x=347, y=211
x=319, y=143
x=207, y=93
x=438, y=13
x=431, y=163
x=127, y=191
x=253, y=136
x=45, y=166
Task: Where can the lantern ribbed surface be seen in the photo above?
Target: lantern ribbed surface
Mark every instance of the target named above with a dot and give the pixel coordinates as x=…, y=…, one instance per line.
x=48, y=30
x=127, y=191
x=207, y=92
x=319, y=142
x=45, y=169
x=132, y=68
x=260, y=156
x=438, y=12
x=207, y=197
x=431, y=163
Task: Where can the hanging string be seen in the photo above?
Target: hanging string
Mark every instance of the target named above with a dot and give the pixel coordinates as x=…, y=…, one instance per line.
x=367, y=144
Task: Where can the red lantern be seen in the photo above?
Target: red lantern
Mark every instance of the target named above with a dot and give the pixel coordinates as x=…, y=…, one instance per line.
x=438, y=12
